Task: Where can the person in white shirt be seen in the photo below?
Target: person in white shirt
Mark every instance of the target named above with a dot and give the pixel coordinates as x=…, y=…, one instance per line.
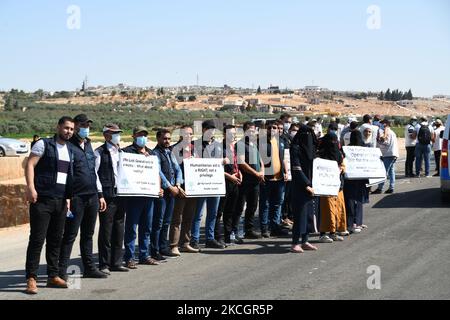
x=112, y=220
x=389, y=149
x=410, y=145
x=437, y=145
x=424, y=136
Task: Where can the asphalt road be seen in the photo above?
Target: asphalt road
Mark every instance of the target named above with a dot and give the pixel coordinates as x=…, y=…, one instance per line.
x=408, y=239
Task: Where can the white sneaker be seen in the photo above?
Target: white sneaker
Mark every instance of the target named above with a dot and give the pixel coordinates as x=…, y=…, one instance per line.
x=355, y=230
x=325, y=239
x=336, y=237
x=344, y=234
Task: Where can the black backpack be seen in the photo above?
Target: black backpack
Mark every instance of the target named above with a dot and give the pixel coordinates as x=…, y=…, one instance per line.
x=424, y=135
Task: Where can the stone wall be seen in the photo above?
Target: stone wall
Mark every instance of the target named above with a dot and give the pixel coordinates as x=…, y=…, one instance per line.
x=13, y=204
x=12, y=168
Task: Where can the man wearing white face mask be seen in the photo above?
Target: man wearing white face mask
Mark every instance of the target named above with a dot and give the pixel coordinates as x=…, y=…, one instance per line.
x=110, y=238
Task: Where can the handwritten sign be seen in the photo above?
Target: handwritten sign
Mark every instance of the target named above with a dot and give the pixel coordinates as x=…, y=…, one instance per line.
x=204, y=177
x=326, y=177
x=138, y=176
x=363, y=163
x=287, y=160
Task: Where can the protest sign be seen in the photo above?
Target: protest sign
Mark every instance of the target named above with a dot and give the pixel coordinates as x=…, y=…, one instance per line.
x=138, y=176
x=363, y=163
x=287, y=160
x=204, y=177
x=326, y=177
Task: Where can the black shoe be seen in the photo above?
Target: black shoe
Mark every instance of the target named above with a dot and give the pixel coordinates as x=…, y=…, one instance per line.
x=159, y=257
x=389, y=191
x=119, y=269
x=265, y=234
x=213, y=244
x=437, y=175
x=238, y=240
x=252, y=235
x=95, y=274
x=279, y=233
x=378, y=191
x=169, y=254
x=195, y=245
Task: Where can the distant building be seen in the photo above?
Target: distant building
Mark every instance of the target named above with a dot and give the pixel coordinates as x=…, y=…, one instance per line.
x=303, y=107
x=273, y=90
x=253, y=101
x=312, y=89
x=405, y=103
x=314, y=100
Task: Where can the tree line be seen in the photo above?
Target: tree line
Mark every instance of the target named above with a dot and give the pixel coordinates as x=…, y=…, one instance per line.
x=395, y=95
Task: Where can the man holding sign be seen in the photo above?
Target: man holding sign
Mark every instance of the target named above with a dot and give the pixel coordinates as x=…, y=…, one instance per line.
x=208, y=193
x=139, y=207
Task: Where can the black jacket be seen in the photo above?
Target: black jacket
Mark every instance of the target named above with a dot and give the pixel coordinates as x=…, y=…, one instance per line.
x=84, y=175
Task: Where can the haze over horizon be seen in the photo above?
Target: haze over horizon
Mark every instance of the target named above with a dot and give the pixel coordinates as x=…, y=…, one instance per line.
x=241, y=44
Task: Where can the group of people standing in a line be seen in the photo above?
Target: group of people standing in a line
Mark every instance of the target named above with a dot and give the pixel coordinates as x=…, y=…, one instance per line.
x=70, y=185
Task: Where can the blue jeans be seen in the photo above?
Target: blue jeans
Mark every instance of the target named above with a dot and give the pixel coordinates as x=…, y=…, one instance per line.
x=212, y=206
x=139, y=212
x=270, y=204
x=423, y=151
x=389, y=164
x=161, y=222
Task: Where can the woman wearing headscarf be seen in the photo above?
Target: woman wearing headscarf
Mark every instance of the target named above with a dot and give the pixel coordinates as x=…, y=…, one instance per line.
x=303, y=150
x=355, y=193
x=332, y=208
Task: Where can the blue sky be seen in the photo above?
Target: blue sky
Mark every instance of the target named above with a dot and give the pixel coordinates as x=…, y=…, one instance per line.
x=290, y=43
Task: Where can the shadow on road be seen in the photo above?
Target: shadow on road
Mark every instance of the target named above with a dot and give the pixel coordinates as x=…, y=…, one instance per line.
x=14, y=281
x=262, y=247
x=424, y=198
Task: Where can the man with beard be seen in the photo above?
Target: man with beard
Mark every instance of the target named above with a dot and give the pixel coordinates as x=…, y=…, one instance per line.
x=48, y=174
x=85, y=203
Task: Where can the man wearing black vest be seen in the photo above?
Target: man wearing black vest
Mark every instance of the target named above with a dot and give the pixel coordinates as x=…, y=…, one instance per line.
x=48, y=173
x=110, y=237
x=171, y=180
x=139, y=211
x=84, y=204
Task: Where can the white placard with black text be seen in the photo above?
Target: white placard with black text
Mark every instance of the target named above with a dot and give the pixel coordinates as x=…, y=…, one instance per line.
x=326, y=177
x=204, y=177
x=138, y=176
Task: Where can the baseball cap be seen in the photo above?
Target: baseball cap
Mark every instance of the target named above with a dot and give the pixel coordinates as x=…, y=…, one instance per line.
x=140, y=129
x=111, y=127
x=82, y=118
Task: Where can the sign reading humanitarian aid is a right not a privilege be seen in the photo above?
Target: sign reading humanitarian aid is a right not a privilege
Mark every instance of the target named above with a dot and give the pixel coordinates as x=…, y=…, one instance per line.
x=363, y=163
x=204, y=177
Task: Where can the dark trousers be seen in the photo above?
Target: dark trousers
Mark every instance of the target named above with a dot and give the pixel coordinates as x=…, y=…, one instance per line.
x=437, y=159
x=286, y=210
x=248, y=193
x=162, y=217
x=354, y=210
x=84, y=209
x=227, y=208
x=314, y=215
x=410, y=157
x=110, y=237
x=47, y=217
x=302, y=204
